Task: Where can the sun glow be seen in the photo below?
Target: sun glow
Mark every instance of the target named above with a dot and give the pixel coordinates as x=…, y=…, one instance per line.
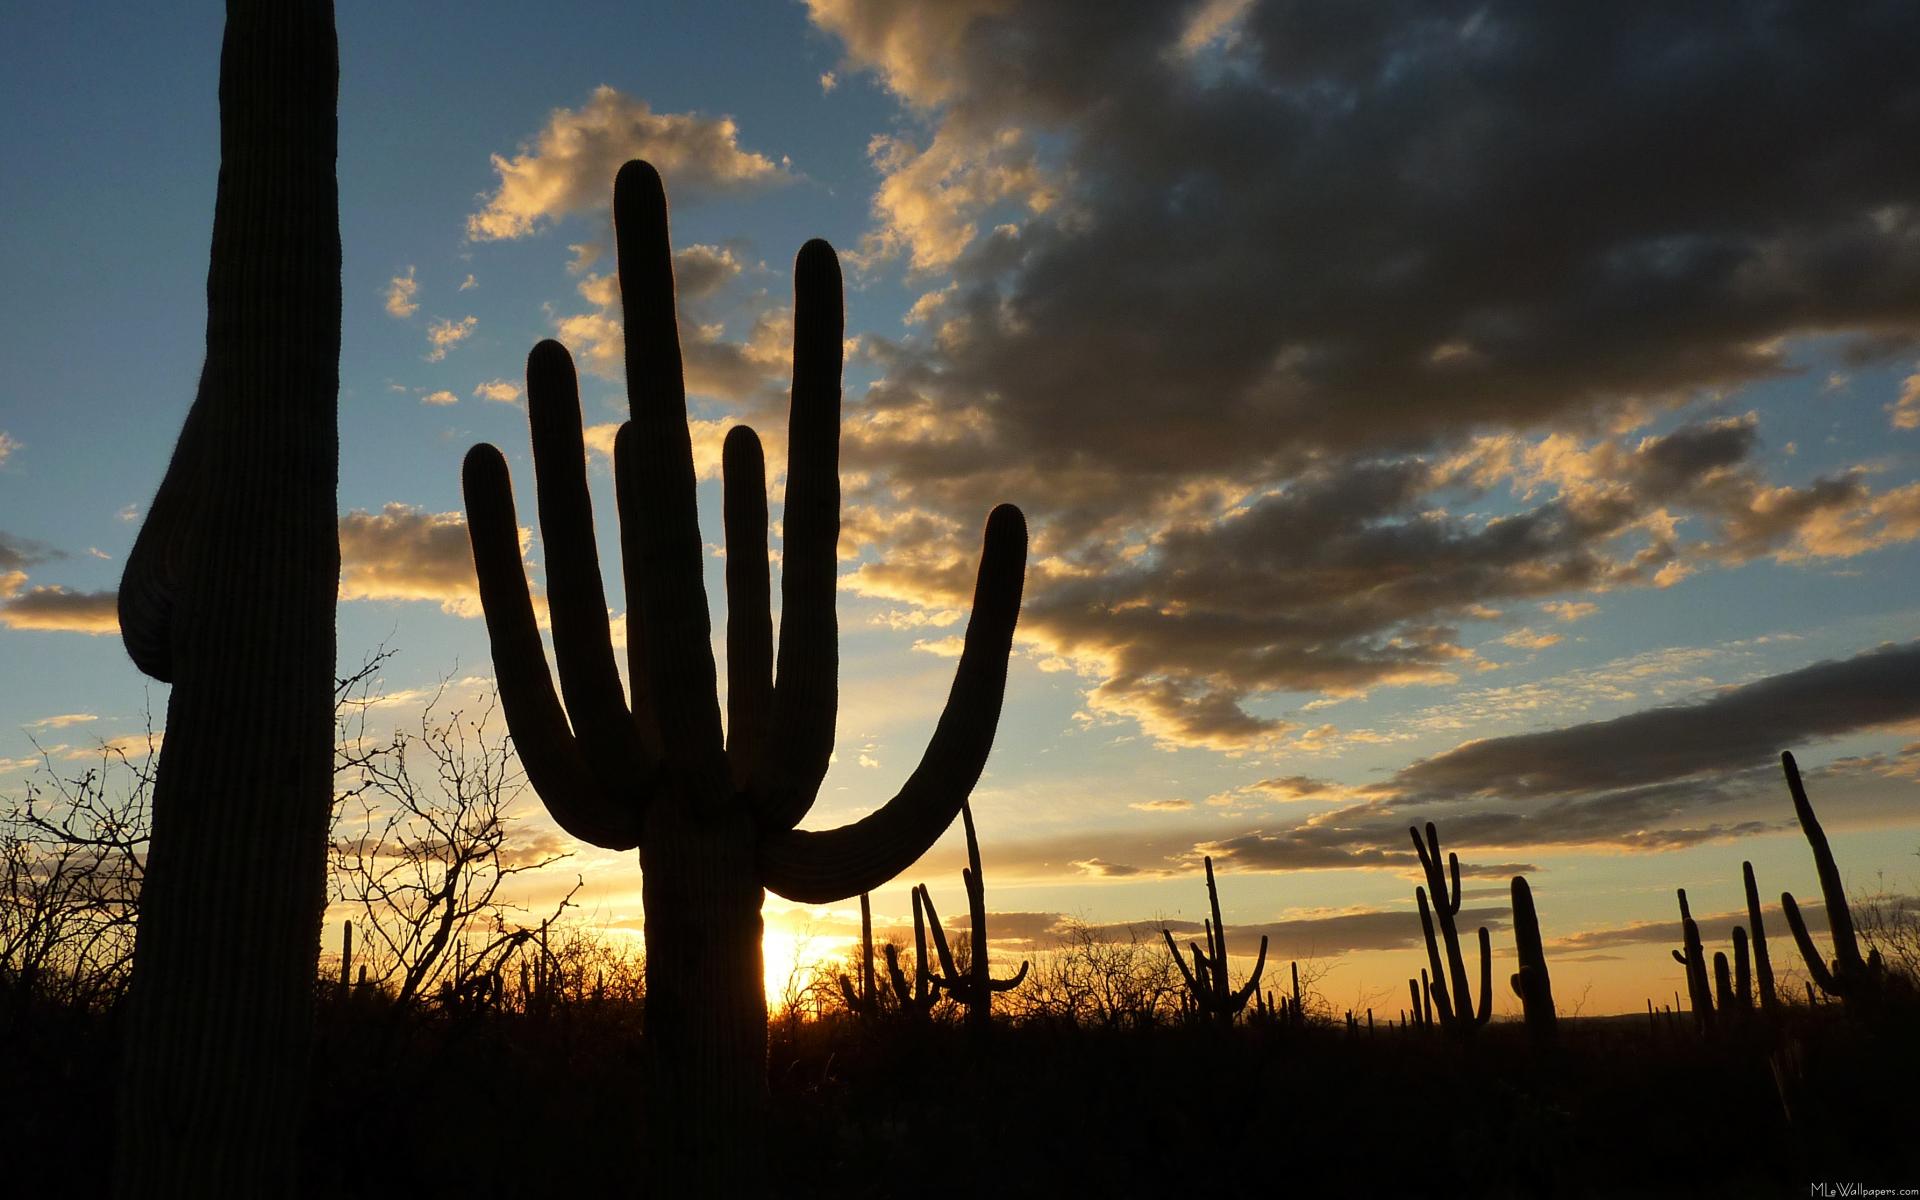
x=792, y=960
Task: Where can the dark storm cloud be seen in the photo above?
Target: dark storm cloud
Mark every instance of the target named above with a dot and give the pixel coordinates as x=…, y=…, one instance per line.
x=1264, y=291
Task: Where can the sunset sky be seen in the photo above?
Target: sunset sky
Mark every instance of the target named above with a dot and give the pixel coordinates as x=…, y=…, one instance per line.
x=1505, y=415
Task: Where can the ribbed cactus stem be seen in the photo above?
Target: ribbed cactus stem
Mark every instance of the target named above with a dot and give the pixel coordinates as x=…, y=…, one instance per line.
x=1850, y=978
x=229, y=595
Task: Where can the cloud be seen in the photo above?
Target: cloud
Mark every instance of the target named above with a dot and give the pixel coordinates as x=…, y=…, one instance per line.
x=62, y=721
x=1906, y=410
x=1528, y=639
x=440, y=399
x=8, y=444
x=406, y=553
x=55, y=608
x=468, y=284
x=18, y=553
x=498, y=389
x=443, y=335
x=569, y=166
x=400, y=293
x=1229, y=305
x=1734, y=729
x=1161, y=805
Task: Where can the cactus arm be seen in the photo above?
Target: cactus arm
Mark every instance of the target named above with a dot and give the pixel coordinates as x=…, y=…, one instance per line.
x=1012, y=982
x=821, y=867
x=951, y=973
x=1253, y=981
x=1413, y=998
x=743, y=469
x=660, y=504
x=1722, y=982
x=1435, y=987
x=1453, y=903
x=582, y=645
x=1762, y=964
x=1485, y=1012
x=1742, y=971
x=553, y=762
x=1678, y=957
x=1846, y=949
x=1816, y=966
x=1179, y=960
x=1216, y=938
x=895, y=976
x=806, y=690
x=920, y=960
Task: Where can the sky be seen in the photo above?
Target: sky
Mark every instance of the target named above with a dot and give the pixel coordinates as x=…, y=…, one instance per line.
x=1503, y=415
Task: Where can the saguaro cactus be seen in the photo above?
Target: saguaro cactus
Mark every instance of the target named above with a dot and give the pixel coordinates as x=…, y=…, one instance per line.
x=1694, y=959
x=916, y=1000
x=228, y=595
x=1859, y=981
x=863, y=1001
x=1762, y=965
x=1531, y=982
x=1207, y=981
x=973, y=989
x=1452, y=1007
x=713, y=815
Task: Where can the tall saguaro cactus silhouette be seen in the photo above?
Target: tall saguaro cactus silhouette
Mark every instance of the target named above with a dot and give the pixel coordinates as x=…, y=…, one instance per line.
x=229, y=596
x=713, y=815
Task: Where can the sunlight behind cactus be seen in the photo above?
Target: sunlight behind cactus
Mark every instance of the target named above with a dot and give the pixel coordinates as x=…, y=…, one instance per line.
x=713, y=813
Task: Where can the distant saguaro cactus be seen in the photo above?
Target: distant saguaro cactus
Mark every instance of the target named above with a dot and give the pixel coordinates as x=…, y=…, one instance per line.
x=229, y=596
x=713, y=815
x=1452, y=1007
x=1531, y=982
x=1861, y=982
x=1693, y=957
x=916, y=999
x=1207, y=981
x=863, y=1000
x=974, y=988
x=1762, y=964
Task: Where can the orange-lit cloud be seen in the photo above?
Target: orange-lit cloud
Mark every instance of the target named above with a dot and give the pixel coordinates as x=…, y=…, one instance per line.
x=569, y=166
x=444, y=334
x=400, y=300
x=406, y=553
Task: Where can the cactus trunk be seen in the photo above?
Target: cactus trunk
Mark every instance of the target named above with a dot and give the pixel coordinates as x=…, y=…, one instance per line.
x=229, y=595
x=706, y=1022
x=1762, y=964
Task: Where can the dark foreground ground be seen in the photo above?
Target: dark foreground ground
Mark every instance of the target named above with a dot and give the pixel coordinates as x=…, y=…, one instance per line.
x=495, y=1104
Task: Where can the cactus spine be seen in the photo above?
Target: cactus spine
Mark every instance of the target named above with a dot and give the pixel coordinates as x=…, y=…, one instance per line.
x=1453, y=1008
x=229, y=595
x=974, y=989
x=1207, y=981
x=713, y=813
x=1851, y=978
x=1531, y=982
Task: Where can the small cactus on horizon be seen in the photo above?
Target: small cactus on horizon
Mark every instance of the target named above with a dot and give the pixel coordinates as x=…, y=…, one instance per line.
x=1694, y=959
x=1207, y=981
x=1453, y=1007
x=865, y=1001
x=973, y=990
x=915, y=1000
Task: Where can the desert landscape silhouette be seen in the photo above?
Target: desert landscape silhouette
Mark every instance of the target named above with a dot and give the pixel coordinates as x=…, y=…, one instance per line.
x=620, y=905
